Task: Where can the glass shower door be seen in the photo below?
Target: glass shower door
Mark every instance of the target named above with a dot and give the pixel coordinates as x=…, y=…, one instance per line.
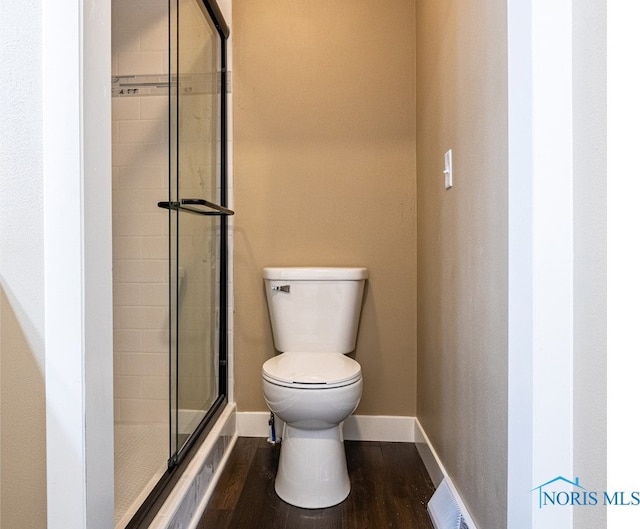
x=197, y=221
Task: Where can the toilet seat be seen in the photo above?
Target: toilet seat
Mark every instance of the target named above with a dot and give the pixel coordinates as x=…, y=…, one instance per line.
x=311, y=370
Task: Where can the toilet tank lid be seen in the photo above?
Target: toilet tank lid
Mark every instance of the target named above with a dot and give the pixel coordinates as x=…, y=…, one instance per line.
x=317, y=273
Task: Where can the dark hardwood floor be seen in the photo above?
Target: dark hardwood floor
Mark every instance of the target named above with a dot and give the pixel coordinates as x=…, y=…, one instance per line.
x=390, y=488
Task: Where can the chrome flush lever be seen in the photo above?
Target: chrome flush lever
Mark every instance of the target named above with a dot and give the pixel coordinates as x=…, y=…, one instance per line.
x=282, y=288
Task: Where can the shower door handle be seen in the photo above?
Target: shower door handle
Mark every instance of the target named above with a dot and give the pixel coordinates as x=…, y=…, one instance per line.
x=198, y=206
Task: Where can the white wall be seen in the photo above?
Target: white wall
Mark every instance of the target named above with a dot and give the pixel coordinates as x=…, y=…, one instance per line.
x=590, y=249
x=623, y=258
x=22, y=361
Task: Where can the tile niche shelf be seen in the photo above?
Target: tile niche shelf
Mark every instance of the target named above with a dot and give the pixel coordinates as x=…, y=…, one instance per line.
x=152, y=85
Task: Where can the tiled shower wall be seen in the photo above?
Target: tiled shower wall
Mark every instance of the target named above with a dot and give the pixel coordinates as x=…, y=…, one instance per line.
x=140, y=228
x=140, y=249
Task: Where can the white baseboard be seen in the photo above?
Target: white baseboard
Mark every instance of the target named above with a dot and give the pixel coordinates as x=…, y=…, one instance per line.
x=253, y=424
x=437, y=471
x=355, y=428
x=429, y=456
x=379, y=428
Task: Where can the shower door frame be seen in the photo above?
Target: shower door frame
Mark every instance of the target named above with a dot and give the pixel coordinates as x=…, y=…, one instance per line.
x=178, y=461
x=179, y=451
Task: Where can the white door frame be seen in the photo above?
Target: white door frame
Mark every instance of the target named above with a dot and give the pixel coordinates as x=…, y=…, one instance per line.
x=540, y=431
x=77, y=252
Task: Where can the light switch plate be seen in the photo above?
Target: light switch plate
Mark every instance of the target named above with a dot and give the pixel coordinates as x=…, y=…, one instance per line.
x=448, y=169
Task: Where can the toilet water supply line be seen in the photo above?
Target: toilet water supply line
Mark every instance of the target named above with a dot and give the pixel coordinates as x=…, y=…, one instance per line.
x=272, y=439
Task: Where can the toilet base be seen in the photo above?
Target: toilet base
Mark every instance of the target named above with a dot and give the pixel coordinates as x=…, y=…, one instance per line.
x=312, y=471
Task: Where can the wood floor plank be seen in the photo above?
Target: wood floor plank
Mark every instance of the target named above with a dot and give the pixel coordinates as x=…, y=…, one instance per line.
x=259, y=506
x=218, y=519
x=408, y=496
x=366, y=506
x=235, y=476
x=330, y=518
x=389, y=489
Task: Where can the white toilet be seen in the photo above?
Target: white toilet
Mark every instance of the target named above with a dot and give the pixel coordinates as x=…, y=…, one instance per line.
x=312, y=386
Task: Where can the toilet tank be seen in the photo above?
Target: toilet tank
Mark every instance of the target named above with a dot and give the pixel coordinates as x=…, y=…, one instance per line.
x=314, y=309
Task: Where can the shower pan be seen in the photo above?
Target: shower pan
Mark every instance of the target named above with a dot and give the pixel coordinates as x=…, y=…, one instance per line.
x=170, y=242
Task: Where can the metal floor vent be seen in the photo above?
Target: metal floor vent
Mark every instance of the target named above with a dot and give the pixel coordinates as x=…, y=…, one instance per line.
x=444, y=510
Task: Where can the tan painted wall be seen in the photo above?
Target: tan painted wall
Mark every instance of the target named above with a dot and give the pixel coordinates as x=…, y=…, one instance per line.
x=462, y=246
x=324, y=174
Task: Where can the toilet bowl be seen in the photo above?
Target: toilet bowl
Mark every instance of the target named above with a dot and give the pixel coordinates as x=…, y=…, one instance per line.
x=312, y=386
x=312, y=471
